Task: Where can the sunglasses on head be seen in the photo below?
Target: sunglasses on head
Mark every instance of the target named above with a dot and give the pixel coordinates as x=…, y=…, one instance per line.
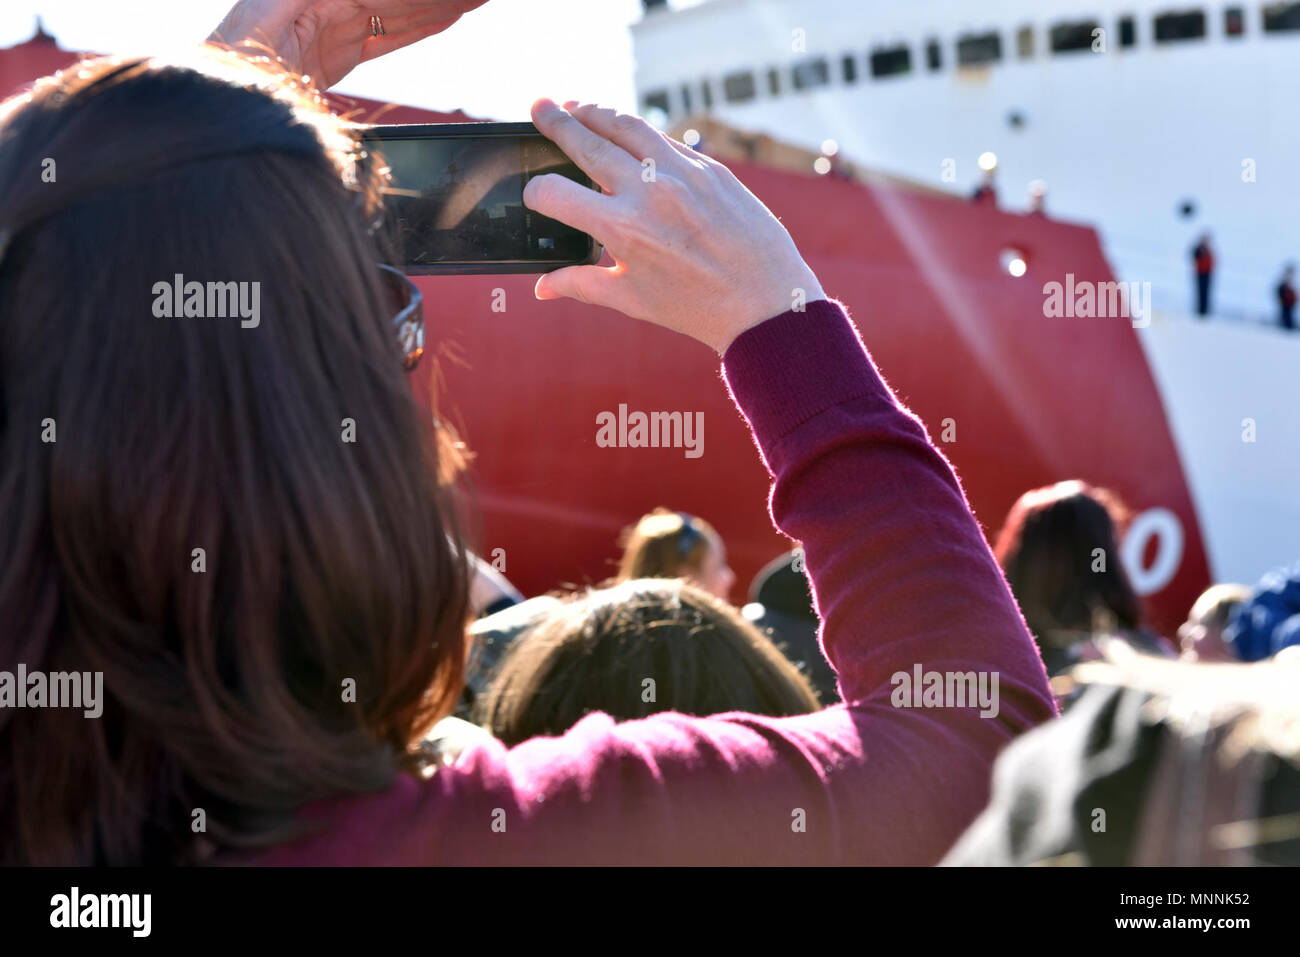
x=407, y=303
x=405, y=298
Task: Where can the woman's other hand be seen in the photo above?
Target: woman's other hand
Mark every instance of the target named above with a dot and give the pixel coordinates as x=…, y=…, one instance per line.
x=325, y=39
x=693, y=249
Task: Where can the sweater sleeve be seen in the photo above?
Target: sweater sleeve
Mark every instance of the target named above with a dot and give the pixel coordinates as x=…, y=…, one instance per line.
x=901, y=572
x=904, y=583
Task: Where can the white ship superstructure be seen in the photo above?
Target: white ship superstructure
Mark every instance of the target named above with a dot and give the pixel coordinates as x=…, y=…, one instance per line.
x=1153, y=121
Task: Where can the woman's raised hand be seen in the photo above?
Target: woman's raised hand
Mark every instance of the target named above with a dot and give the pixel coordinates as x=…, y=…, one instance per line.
x=693, y=249
x=327, y=38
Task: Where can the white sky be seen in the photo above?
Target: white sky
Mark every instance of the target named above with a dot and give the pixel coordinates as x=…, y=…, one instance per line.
x=492, y=64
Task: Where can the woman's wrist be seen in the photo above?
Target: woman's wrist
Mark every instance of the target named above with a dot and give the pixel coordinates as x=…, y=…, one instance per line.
x=801, y=291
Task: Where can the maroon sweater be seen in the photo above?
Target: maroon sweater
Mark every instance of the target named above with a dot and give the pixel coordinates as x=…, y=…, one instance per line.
x=902, y=577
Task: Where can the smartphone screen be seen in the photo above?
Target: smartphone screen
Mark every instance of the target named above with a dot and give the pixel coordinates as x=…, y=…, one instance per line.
x=455, y=202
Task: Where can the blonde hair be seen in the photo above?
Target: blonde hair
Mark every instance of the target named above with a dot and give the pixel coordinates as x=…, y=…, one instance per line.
x=665, y=544
x=1215, y=605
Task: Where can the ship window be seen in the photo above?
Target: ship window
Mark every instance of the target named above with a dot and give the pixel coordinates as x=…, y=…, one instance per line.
x=1281, y=17
x=977, y=49
x=891, y=61
x=687, y=105
x=933, y=55
x=656, y=100
x=1025, y=43
x=706, y=93
x=1073, y=37
x=739, y=87
x=774, y=81
x=1127, y=32
x=1173, y=27
x=811, y=73
x=850, y=67
x=1234, y=22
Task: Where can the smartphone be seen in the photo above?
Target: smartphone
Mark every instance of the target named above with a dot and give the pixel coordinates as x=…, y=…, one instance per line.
x=455, y=202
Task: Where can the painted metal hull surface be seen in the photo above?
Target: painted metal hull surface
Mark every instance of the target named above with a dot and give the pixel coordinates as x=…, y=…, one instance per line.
x=1026, y=400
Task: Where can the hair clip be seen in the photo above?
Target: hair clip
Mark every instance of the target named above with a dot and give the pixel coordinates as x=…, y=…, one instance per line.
x=688, y=536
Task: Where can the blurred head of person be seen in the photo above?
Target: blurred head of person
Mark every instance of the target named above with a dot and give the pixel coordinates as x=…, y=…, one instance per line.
x=1200, y=637
x=1037, y=195
x=781, y=606
x=276, y=610
x=634, y=649
x=1059, y=548
x=668, y=544
x=1268, y=621
x=782, y=585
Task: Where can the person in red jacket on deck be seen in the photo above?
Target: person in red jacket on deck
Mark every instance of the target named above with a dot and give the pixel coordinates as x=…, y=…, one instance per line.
x=1286, y=298
x=337, y=567
x=1203, y=263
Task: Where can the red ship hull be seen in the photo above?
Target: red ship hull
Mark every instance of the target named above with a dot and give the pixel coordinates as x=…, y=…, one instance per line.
x=1027, y=400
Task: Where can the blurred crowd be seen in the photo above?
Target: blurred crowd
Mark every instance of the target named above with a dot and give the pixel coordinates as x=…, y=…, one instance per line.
x=539, y=665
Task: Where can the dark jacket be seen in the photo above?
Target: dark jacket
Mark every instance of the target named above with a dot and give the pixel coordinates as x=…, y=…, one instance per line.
x=1109, y=784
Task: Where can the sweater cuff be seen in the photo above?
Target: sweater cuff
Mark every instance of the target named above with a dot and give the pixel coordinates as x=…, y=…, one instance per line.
x=785, y=371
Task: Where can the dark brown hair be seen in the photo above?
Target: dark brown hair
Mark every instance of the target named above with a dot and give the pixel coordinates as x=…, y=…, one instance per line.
x=665, y=544
x=596, y=652
x=1047, y=549
x=329, y=563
